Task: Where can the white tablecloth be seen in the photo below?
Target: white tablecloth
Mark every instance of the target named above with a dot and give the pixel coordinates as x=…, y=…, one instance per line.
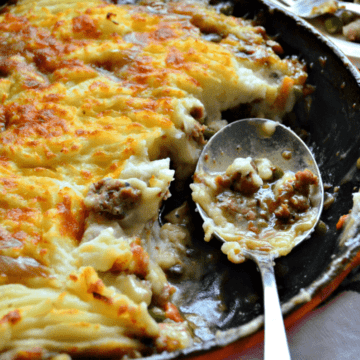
x=330, y=332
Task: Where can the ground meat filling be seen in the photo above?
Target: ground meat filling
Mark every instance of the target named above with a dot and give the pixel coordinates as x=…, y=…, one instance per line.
x=294, y=196
x=198, y=134
x=246, y=183
x=276, y=203
x=254, y=205
x=239, y=183
x=115, y=197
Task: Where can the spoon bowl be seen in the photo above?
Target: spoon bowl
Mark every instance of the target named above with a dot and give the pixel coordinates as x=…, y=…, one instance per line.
x=261, y=138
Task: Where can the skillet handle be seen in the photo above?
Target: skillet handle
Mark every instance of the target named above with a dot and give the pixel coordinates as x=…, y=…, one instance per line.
x=276, y=346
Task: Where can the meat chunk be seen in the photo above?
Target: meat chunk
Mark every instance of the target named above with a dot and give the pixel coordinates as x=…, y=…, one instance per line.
x=241, y=176
x=303, y=181
x=283, y=212
x=116, y=197
x=245, y=184
x=293, y=197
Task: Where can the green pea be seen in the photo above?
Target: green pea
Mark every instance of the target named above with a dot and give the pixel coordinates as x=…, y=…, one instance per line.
x=333, y=25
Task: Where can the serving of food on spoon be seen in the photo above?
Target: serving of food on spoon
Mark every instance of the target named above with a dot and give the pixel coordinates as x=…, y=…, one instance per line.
x=259, y=190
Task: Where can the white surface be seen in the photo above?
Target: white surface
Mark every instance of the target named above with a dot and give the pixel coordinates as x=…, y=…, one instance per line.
x=330, y=332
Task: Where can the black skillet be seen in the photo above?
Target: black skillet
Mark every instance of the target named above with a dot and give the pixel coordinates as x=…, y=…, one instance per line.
x=223, y=301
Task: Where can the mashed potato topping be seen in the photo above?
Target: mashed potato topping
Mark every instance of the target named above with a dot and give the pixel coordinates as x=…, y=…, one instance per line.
x=96, y=101
x=255, y=206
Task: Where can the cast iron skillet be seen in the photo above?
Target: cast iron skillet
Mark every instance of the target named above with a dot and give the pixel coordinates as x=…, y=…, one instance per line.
x=223, y=301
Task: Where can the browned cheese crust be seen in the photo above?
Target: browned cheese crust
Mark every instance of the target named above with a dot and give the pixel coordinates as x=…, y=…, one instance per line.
x=95, y=100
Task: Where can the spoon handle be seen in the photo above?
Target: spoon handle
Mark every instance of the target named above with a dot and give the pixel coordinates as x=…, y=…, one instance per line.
x=276, y=346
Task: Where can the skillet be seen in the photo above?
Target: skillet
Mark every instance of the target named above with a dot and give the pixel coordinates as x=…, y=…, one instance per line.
x=223, y=301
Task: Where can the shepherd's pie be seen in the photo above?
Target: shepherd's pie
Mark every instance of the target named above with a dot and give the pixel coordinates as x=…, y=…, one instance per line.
x=96, y=101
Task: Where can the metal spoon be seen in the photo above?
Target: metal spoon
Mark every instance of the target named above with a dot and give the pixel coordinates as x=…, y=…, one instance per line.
x=252, y=137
